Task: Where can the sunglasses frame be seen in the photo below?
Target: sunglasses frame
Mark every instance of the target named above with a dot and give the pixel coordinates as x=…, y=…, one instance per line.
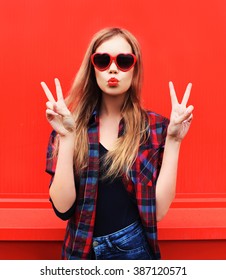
x=113, y=58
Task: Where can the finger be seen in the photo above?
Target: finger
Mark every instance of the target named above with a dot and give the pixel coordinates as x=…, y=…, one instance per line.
x=61, y=110
x=173, y=94
x=189, y=119
x=58, y=89
x=49, y=105
x=186, y=94
x=51, y=112
x=47, y=92
x=186, y=116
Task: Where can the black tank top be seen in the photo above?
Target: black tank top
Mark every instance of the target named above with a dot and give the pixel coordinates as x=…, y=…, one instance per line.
x=115, y=208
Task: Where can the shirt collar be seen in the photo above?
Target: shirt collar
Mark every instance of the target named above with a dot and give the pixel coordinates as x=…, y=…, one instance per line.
x=94, y=116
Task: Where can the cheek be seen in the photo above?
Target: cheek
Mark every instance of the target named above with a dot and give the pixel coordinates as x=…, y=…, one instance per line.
x=100, y=78
x=127, y=79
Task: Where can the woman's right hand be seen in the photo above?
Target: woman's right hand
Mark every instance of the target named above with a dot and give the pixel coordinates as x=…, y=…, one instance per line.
x=57, y=113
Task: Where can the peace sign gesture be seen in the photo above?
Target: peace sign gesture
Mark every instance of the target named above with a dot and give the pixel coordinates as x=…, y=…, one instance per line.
x=57, y=113
x=181, y=115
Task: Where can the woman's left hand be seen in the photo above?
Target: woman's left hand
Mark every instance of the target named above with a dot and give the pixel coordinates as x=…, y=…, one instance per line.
x=181, y=115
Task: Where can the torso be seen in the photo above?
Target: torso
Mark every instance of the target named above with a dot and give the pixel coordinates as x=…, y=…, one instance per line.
x=115, y=208
x=108, y=132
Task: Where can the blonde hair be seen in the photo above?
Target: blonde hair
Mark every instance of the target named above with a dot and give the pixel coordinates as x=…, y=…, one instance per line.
x=85, y=95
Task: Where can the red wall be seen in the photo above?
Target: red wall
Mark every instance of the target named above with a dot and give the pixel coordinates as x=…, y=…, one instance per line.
x=182, y=41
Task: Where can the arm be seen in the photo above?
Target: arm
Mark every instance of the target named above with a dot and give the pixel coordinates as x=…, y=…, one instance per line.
x=62, y=190
x=166, y=183
x=180, y=120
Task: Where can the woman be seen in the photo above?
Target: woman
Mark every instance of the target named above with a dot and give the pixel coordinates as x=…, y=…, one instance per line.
x=110, y=178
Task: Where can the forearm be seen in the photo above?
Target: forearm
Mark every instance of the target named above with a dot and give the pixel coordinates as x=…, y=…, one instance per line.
x=166, y=183
x=62, y=190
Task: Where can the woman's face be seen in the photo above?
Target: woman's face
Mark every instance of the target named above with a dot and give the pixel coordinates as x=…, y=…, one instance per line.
x=113, y=81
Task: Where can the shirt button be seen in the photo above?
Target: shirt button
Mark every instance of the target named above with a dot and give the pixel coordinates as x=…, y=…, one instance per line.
x=95, y=243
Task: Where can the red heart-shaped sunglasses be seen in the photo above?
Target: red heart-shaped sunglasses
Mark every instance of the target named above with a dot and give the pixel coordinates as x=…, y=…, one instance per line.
x=124, y=61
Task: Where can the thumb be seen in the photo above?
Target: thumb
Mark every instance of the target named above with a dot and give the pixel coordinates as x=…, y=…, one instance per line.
x=69, y=123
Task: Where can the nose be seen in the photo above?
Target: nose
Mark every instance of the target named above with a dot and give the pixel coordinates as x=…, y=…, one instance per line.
x=113, y=68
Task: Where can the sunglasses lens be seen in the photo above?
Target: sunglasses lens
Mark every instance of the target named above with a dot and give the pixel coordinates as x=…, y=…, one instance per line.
x=101, y=61
x=125, y=61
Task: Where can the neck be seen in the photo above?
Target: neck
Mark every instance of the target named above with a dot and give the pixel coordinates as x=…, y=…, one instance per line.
x=111, y=105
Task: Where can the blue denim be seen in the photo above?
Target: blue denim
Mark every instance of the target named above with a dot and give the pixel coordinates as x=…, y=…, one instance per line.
x=128, y=243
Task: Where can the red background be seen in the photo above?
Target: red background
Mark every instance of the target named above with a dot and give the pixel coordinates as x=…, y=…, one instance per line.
x=182, y=41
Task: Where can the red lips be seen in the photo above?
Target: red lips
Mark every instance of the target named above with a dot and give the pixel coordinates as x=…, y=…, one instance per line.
x=113, y=82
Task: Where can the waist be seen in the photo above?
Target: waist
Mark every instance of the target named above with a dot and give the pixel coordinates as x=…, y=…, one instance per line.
x=131, y=229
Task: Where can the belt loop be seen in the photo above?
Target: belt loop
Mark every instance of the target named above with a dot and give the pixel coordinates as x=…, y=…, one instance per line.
x=109, y=242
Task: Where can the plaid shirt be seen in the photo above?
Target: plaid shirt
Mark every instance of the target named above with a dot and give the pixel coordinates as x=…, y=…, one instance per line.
x=143, y=177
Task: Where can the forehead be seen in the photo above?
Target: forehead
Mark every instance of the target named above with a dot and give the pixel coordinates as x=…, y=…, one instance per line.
x=115, y=45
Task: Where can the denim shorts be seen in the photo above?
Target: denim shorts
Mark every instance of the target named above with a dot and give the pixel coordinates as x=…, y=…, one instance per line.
x=128, y=243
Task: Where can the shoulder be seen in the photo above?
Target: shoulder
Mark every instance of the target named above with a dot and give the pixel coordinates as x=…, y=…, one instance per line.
x=51, y=154
x=52, y=140
x=52, y=143
x=53, y=136
x=157, y=126
x=156, y=119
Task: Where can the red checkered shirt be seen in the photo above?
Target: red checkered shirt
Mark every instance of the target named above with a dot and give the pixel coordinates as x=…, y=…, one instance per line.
x=143, y=176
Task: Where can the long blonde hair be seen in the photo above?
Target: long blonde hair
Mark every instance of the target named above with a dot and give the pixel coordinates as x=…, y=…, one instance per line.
x=85, y=95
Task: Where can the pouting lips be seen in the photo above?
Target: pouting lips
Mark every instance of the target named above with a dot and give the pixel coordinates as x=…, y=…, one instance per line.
x=113, y=82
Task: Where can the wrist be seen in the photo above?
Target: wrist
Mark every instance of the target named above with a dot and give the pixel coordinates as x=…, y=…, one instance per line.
x=67, y=137
x=173, y=140
x=66, y=146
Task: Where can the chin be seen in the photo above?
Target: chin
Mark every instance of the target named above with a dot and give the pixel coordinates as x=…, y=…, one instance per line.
x=113, y=93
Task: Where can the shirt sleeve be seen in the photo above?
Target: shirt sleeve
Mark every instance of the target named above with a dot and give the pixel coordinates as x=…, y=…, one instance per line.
x=65, y=215
x=51, y=160
x=158, y=132
x=162, y=140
